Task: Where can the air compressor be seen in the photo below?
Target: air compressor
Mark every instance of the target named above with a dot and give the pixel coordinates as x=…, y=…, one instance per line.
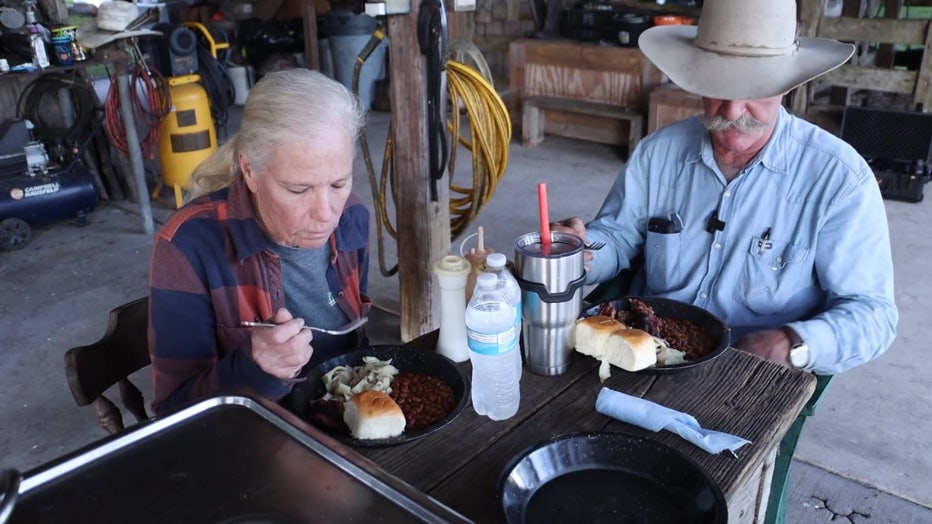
x=188, y=135
x=34, y=190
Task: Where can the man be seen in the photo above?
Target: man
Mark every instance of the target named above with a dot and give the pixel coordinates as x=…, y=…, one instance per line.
x=767, y=221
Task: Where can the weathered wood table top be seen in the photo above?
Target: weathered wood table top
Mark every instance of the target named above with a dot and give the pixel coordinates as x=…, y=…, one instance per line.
x=738, y=393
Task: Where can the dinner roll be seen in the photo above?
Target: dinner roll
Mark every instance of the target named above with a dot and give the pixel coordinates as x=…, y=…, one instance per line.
x=373, y=415
x=592, y=334
x=631, y=349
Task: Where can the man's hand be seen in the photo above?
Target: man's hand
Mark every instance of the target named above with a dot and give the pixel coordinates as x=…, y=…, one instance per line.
x=282, y=351
x=772, y=344
x=574, y=226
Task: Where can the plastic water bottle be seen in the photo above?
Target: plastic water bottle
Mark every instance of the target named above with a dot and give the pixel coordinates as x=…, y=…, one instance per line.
x=508, y=285
x=493, y=346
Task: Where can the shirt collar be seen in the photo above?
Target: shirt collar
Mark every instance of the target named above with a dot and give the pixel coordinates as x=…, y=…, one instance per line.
x=247, y=237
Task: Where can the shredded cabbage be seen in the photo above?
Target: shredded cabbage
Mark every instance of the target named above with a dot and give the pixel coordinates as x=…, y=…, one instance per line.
x=344, y=381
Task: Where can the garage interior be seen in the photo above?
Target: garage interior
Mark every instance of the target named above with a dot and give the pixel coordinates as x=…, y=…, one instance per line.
x=77, y=239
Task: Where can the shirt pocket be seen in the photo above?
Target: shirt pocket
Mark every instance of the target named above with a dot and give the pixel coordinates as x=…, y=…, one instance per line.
x=662, y=261
x=772, y=275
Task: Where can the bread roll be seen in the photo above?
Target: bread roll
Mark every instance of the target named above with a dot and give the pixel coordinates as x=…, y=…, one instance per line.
x=592, y=334
x=631, y=349
x=373, y=415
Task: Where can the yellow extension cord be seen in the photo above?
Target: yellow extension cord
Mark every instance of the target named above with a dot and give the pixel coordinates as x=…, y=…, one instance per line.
x=490, y=129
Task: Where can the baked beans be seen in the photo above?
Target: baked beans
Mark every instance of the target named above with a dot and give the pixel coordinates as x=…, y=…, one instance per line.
x=424, y=399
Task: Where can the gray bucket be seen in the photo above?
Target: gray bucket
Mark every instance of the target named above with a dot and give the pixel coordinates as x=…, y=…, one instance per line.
x=344, y=50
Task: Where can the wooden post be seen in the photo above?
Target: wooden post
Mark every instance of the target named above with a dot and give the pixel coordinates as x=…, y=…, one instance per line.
x=809, y=14
x=311, y=50
x=423, y=226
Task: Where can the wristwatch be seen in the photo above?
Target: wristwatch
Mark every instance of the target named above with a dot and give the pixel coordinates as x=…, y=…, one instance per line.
x=799, y=350
x=799, y=355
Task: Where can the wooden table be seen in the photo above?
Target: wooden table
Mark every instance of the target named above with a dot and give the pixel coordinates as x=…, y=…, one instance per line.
x=737, y=393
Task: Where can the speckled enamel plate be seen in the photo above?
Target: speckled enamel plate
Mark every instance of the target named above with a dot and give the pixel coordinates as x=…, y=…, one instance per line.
x=669, y=308
x=608, y=477
x=404, y=358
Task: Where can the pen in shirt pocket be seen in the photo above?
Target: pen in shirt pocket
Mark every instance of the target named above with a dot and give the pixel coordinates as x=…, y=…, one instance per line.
x=764, y=243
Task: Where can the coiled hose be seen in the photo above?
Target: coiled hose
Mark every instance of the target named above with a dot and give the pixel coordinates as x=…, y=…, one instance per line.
x=490, y=129
x=151, y=101
x=83, y=100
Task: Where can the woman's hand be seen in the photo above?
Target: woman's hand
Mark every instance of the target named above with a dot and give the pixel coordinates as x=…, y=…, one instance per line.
x=282, y=351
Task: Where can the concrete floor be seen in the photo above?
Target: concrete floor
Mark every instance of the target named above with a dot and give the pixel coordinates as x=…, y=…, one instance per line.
x=863, y=458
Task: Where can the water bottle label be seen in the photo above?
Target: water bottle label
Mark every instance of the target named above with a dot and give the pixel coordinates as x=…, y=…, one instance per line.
x=491, y=343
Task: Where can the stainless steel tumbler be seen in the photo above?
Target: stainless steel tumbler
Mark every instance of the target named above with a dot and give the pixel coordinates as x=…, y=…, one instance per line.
x=551, y=296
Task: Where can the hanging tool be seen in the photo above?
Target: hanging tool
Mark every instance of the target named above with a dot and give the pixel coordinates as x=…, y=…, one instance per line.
x=432, y=38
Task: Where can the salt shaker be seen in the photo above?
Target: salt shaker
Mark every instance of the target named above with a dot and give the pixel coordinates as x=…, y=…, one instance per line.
x=452, y=272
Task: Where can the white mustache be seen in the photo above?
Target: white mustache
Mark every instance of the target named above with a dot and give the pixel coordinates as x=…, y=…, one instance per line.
x=745, y=124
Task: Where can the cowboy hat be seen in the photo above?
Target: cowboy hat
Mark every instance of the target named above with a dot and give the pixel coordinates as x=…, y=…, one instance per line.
x=741, y=50
x=111, y=24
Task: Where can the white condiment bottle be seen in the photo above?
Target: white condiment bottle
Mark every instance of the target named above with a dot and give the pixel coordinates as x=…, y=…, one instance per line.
x=452, y=272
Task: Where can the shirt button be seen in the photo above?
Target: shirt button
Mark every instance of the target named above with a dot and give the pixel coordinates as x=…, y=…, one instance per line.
x=341, y=294
x=717, y=245
x=704, y=295
x=727, y=194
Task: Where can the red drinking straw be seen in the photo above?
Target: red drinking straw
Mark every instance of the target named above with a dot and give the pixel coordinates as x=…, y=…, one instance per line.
x=544, y=218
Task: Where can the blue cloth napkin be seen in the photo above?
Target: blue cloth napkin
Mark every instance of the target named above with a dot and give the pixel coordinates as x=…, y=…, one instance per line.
x=654, y=417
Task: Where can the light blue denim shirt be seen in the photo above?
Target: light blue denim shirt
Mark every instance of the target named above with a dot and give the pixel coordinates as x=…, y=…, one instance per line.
x=825, y=268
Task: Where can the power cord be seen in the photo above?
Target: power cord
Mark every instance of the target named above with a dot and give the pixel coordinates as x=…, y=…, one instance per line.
x=83, y=101
x=151, y=101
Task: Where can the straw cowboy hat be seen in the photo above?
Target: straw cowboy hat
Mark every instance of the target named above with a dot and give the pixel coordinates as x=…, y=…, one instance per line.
x=741, y=49
x=111, y=23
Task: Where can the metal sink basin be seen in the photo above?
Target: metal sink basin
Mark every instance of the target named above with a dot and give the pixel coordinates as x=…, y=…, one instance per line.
x=227, y=459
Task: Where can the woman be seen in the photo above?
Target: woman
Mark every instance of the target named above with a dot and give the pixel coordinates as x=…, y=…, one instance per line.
x=271, y=233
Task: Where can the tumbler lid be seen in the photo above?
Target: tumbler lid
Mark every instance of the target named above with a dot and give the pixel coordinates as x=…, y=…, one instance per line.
x=561, y=244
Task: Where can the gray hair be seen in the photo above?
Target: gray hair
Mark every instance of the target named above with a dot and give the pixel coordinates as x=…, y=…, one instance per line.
x=282, y=108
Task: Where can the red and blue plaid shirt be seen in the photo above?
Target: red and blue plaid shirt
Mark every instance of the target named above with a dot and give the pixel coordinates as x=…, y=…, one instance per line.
x=212, y=269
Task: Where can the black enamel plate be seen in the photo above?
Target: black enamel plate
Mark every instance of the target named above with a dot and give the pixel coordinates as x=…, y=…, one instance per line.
x=606, y=477
x=405, y=359
x=669, y=308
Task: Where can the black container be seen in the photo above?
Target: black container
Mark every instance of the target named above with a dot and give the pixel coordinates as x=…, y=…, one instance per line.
x=630, y=26
x=588, y=23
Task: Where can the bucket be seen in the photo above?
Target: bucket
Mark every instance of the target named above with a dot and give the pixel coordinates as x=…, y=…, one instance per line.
x=344, y=50
x=240, y=81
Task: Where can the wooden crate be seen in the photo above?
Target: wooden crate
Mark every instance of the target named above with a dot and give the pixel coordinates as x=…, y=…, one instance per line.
x=616, y=76
x=668, y=104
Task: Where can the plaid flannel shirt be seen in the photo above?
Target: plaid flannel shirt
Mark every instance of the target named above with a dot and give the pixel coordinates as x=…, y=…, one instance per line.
x=212, y=269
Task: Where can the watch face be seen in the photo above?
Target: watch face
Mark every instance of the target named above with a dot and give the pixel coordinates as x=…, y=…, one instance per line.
x=799, y=355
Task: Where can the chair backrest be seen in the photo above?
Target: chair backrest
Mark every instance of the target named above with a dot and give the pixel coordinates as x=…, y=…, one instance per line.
x=123, y=350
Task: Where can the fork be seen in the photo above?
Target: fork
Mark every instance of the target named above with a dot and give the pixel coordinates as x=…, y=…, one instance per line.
x=342, y=330
x=595, y=246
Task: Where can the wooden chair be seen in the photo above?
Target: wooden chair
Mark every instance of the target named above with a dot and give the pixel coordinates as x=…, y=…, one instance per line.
x=123, y=350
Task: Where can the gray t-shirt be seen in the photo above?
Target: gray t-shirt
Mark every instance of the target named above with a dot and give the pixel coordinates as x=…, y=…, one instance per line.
x=308, y=296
